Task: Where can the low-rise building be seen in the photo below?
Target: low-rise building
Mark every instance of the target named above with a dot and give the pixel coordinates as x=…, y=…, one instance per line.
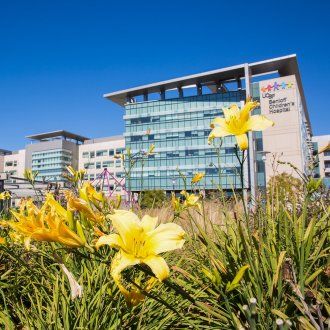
x=3, y=153
x=322, y=146
x=99, y=158
x=14, y=163
x=50, y=153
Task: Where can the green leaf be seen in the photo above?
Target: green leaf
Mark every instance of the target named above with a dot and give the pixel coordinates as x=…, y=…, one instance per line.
x=313, y=276
x=235, y=282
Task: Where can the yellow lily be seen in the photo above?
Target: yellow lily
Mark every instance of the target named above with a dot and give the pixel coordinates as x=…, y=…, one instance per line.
x=197, y=177
x=5, y=195
x=30, y=175
x=176, y=203
x=238, y=122
x=44, y=224
x=88, y=193
x=140, y=242
x=75, y=176
x=78, y=204
x=191, y=200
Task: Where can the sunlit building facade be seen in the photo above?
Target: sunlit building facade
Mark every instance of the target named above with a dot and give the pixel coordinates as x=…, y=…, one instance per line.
x=102, y=164
x=175, y=116
x=50, y=153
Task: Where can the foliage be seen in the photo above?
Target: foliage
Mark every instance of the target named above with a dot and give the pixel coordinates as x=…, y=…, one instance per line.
x=247, y=270
x=152, y=199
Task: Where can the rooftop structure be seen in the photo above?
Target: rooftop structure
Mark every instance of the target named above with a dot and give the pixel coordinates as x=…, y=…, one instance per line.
x=4, y=152
x=60, y=134
x=214, y=79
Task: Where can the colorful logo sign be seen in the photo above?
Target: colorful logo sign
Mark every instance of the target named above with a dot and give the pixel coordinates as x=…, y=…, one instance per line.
x=276, y=86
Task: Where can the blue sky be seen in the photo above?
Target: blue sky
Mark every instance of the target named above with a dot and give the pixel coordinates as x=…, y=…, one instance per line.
x=57, y=58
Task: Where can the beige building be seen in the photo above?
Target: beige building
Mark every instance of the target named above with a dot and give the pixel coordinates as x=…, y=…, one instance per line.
x=14, y=163
x=289, y=140
x=3, y=152
x=103, y=168
x=322, y=145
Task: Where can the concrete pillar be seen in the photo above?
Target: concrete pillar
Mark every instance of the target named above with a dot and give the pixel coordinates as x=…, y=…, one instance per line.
x=180, y=92
x=251, y=152
x=239, y=83
x=162, y=94
x=199, y=89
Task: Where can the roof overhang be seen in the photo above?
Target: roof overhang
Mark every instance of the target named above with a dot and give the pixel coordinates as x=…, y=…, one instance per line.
x=55, y=134
x=284, y=66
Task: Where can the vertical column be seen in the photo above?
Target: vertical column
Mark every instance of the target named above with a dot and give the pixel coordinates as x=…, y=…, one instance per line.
x=180, y=92
x=239, y=83
x=145, y=96
x=199, y=89
x=251, y=167
x=162, y=94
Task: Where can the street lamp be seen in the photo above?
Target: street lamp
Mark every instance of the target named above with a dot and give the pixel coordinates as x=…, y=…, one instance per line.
x=173, y=183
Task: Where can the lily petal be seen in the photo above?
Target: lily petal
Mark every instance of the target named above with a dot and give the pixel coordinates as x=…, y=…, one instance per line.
x=120, y=262
x=242, y=141
x=248, y=107
x=218, y=121
x=219, y=132
x=166, y=237
x=127, y=224
x=149, y=223
x=113, y=240
x=258, y=123
x=158, y=266
x=233, y=110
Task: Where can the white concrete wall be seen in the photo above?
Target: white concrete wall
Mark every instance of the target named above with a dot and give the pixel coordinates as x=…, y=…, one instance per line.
x=19, y=158
x=323, y=141
x=284, y=140
x=93, y=146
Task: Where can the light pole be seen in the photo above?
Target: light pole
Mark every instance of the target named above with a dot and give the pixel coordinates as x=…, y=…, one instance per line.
x=173, y=184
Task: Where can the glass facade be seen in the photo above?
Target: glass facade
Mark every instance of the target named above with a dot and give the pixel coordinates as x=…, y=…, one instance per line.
x=179, y=129
x=51, y=164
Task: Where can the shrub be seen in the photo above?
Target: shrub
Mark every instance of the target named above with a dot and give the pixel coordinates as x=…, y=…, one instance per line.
x=152, y=199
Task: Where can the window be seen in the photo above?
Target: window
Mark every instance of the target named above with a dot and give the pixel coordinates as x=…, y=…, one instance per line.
x=211, y=171
x=120, y=150
x=172, y=154
x=89, y=166
x=91, y=177
x=143, y=120
x=118, y=163
x=85, y=154
x=327, y=153
x=230, y=151
x=101, y=153
x=98, y=165
x=191, y=152
x=260, y=166
x=259, y=145
x=92, y=154
x=327, y=164
x=210, y=153
x=151, y=137
x=108, y=163
x=187, y=134
x=111, y=152
x=135, y=139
